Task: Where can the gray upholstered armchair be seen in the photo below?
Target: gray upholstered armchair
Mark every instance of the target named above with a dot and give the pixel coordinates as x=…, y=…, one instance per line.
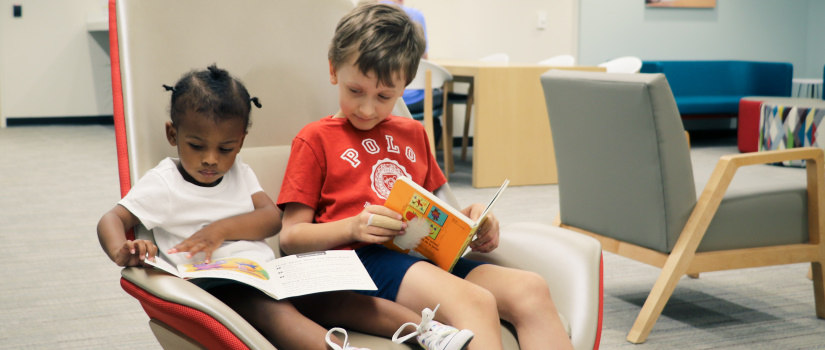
x=625, y=178
x=278, y=49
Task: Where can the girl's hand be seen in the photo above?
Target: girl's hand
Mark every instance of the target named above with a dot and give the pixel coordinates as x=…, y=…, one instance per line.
x=207, y=240
x=487, y=236
x=133, y=253
x=369, y=225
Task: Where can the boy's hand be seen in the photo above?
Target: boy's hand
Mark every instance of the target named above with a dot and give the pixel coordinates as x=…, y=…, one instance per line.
x=133, y=253
x=371, y=224
x=487, y=236
x=207, y=240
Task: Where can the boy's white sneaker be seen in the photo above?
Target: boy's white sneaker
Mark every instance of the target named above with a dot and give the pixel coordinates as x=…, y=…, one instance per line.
x=434, y=335
x=346, y=346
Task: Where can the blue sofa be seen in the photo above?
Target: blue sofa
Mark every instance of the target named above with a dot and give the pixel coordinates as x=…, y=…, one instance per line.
x=714, y=88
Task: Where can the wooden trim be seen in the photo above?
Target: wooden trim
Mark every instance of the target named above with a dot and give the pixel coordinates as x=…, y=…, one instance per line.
x=753, y=257
x=625, y=249
x=428, y=109
x=447, y=131
x=711, y=261
x=815, y=169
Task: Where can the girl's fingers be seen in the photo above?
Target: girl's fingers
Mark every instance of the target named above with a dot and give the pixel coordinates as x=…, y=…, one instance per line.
x=185, y=246
x=141, y=251
x=180, y=247
x=153, y=252
x=194, y=249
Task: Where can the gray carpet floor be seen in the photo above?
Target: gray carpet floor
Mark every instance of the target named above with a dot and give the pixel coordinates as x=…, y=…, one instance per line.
x=58, y=290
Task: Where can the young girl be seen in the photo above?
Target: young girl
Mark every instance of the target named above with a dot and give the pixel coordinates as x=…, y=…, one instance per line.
x=208, y=204
x=348, y=162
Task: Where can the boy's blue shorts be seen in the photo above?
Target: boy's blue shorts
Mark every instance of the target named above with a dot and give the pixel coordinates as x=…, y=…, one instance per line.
x=388, y=267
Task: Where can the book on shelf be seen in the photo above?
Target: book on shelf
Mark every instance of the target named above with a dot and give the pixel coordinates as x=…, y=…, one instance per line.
x=285, y=277
x=447, y=231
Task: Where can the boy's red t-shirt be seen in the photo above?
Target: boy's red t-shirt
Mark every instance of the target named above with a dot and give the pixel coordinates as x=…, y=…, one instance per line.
x=337, y=169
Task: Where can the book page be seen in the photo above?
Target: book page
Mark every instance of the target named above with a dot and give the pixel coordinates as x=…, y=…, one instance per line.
x=164, y=265
x=241, y=269
x=319, y=272
x=493, y=201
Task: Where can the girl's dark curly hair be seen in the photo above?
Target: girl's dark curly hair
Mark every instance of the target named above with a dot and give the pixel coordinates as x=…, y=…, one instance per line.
x=211, y=92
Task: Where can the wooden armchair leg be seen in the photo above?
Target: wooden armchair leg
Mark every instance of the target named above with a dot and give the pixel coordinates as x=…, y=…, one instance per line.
x=672, y=271
x=465, y=139
x=447, y=133
x=818, y=276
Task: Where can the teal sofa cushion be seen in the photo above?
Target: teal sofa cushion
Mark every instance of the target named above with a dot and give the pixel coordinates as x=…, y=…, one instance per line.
x=715, y=87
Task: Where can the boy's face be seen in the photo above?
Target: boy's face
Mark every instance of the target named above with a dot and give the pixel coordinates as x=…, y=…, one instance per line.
x=363, y=100
x=206, y=147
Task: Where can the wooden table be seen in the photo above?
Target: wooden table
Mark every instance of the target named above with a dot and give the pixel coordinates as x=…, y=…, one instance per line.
x=511, y=136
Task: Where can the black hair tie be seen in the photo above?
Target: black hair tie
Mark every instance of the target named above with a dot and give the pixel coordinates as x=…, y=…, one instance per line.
x=169, y=88
x=255, y=101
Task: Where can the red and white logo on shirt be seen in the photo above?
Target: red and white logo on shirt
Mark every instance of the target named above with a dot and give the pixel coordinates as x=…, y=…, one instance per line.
x=383, y=176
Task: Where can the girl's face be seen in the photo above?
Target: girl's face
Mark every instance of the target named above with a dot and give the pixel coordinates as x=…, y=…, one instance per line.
x=206, y=147
x=363, y=100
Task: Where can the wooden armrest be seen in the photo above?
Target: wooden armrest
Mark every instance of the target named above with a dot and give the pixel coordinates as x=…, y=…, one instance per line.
x=727, y=166
x=775, y=156
x=720, y=179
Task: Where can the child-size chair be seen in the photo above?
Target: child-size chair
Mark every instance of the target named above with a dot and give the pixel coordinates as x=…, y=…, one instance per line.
x=278, y=49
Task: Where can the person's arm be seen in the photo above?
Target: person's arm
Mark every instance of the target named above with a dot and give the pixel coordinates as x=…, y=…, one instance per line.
x=487, y=236
x=301, y=235
x=111, y=232
x=263, y=222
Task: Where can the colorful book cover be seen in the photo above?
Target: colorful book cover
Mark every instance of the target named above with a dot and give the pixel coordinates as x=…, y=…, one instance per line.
x=450, y=231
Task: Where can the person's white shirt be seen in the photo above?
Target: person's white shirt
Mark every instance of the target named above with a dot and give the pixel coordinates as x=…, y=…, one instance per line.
x=174, y=209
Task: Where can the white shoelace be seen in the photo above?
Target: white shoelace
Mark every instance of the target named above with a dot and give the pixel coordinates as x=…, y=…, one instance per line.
x=332, y=344
x=426, y=317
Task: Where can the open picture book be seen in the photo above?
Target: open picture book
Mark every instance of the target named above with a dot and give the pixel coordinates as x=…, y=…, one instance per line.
x=285, y=277
x=449, y=231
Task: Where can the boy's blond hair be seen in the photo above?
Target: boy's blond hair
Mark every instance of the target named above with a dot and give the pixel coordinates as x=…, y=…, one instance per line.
x=383, y=39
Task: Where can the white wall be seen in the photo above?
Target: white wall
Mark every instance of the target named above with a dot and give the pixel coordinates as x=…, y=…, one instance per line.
x=49, y=64
x=766, y=30
x=469, y=29
x=815, y=41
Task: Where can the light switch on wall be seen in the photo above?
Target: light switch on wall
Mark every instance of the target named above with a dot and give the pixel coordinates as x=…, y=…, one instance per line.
x=542, y=20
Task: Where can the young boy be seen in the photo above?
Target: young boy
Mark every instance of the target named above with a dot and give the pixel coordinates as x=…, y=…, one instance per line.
x=207, y=203
x=343, y=166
